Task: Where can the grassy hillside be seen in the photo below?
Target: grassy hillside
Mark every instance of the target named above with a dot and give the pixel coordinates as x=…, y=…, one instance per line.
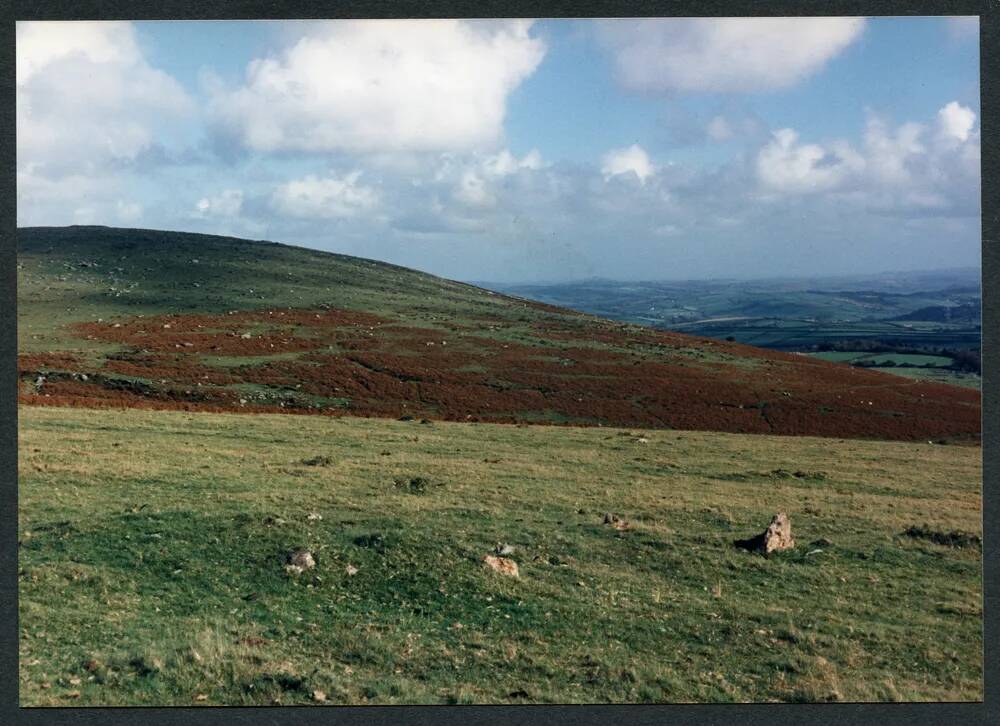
x=113, y=317
x=150, y=567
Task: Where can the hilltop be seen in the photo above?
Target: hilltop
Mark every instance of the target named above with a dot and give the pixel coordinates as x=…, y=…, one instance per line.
x=110, y=317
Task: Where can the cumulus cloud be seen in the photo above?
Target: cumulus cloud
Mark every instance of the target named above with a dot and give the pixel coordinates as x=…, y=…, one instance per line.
x=381, y=85
x=476, y=178
x=86, y=97
x=632, y=159
x=329, y=197
x=894, y=170
x=956, y=121
x=789, y=166
x=724, y=54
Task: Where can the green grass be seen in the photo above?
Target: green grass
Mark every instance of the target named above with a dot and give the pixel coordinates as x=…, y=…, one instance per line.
x=150, y=564
x=920, y=367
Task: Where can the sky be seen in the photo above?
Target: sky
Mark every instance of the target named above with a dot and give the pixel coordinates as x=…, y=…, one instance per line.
x=519, y=150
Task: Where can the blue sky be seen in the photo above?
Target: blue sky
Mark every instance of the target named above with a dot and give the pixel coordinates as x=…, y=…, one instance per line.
x=519, y=151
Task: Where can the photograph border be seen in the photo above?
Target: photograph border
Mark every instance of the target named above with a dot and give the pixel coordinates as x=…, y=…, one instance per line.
x=748, y=714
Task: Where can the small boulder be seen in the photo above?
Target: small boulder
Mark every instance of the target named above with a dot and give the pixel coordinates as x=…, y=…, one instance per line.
x=502, y=565
x=503, y=550
x=298, y=561
x=615, y=521
x=777, y=536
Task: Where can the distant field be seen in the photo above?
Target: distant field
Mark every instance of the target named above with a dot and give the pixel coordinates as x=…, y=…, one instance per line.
x=150, y=571
x=920, y=367
x=938, y=309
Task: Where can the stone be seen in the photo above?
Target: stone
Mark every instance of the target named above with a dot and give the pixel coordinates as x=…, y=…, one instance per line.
x=615, y=521
x=502, y=565
x=298, y=561
x=777, y=536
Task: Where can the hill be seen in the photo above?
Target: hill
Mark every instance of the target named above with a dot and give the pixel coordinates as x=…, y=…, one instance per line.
x=110, y=317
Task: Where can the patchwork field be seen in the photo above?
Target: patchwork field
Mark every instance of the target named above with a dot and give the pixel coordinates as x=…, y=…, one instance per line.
x=151, y=570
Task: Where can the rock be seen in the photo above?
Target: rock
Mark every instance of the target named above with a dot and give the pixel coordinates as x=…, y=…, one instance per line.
x=777, y=536
x=501, y=565
x=313, y=516
x=503, y=550
x=298, y=561
x=319, y=696
x=615, y=521
x=351, y=570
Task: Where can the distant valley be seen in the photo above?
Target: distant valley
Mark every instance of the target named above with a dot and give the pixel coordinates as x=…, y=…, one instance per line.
x=923, y=324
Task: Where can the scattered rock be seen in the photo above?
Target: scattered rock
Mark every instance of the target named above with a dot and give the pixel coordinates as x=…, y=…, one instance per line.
x=412, y=484
x=502, y=565
x=313, y=516
x=615, y=521
x=298, y=561
x=777, y=536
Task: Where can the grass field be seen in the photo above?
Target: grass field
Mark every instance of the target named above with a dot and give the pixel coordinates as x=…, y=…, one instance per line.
x=920, y=367
x=150, y=570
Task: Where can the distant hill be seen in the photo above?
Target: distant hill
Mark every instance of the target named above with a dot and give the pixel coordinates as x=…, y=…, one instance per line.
x=788, y=313
x=114, y=317
x=967, y=313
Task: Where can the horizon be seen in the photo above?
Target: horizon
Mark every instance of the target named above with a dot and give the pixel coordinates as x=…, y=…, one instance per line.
x=572, y=281
x=520, y=152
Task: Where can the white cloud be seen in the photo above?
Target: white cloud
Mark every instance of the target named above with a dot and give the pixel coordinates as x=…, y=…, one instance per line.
x=475, y=178
x=42, y=43
x=622, y=161
x=786, y=165
x=227, y=203
x=895, y=170
x=724, y=54
x=382, y=85
x=328, y=198
x=956, y=121
x=86, y=97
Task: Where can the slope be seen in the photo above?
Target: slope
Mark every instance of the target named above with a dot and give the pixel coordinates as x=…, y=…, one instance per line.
x=110, y=317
